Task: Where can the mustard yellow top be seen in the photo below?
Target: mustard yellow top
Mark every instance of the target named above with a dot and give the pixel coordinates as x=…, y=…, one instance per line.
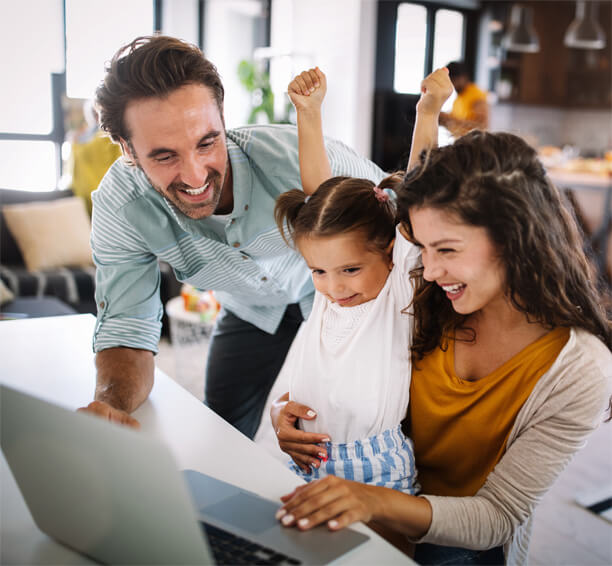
x=464, y=103
x=459, y=427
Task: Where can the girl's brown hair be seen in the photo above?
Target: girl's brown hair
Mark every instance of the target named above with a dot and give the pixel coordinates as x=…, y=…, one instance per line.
x=496, y=181
x=339, y=205
x=151, y=66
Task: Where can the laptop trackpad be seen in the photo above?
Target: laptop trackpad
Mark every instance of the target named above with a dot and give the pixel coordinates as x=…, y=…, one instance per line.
x=247, y=512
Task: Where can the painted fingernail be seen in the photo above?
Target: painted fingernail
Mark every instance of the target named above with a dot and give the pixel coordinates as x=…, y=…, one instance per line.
x=312, y=89
x=311, y=413
x=322, y=456
x=287, y=519
x=303, y=523
x=280, y=513
x=333, y=524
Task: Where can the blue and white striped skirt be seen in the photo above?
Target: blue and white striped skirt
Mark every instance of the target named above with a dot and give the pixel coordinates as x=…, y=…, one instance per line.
x=386, y=459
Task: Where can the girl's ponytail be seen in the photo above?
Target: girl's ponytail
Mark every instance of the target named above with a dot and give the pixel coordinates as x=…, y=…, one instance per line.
x=286, y=211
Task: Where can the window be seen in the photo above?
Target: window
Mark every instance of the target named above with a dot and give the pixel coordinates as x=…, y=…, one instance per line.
x=32, y=118
x=426, y=38
x=410, y=47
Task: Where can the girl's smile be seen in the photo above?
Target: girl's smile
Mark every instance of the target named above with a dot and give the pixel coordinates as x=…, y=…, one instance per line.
x=344, y=269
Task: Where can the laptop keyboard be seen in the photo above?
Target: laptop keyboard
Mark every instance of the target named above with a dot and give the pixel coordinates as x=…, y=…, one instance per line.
x=228, y=548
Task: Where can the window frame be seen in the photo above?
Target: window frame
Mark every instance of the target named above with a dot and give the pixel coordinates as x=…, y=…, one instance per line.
x=386, y=35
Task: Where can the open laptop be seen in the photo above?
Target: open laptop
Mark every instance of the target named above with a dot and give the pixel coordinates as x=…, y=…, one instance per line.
x=115, y=495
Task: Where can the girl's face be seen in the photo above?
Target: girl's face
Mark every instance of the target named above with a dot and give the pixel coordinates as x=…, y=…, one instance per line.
x=460, y=258
x=344, y=269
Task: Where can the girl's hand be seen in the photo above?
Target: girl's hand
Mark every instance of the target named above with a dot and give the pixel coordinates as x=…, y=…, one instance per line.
x=332, y=500
x=308, y=89
x=303, y=447
x=435, y=90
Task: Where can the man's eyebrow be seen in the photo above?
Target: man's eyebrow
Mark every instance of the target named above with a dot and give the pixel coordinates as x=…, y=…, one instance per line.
x=160, y=150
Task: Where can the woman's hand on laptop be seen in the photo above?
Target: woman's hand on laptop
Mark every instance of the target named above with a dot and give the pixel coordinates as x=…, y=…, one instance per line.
x=109, y=413
x=304, y=447
x=332, y=500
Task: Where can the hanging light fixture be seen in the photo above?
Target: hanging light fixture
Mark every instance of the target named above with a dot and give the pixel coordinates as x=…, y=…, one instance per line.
x=521, y=36
x=584, y=32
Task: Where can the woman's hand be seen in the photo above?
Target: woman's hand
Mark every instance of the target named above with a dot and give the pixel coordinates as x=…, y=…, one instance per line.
x=307, y=90
x=337, y=502
x=435, y=90
x=303, y=447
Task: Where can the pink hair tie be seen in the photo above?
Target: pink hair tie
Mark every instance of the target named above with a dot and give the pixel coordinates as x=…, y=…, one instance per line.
x=381, y=195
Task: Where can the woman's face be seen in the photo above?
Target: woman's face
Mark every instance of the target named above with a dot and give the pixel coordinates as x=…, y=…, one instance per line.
x=460, y=258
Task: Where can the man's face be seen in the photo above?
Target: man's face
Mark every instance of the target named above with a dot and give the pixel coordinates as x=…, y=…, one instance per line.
x=179, y=143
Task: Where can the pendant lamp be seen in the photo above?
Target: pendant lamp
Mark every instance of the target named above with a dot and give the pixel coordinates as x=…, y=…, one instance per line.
x=521, y=36
x=585, y=32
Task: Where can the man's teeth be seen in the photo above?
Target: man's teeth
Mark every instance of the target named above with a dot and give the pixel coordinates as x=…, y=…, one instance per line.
x=195, y=192
x=453, y=288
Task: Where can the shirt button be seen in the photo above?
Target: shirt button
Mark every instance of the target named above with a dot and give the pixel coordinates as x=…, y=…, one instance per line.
x=102, y=305
x=264, y=278
x=233, y=220
x=236, y=244
x=246, y=207
x=245, y=256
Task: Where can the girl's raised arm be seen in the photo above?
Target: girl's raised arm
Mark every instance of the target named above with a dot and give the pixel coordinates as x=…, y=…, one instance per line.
x=307, y=91
x=435, y=89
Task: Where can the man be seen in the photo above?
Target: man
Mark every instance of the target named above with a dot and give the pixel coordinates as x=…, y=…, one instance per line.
x=470, y=109
x=200, y=198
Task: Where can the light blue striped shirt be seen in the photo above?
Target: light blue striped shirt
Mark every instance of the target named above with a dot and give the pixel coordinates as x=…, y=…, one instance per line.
x=241, y=256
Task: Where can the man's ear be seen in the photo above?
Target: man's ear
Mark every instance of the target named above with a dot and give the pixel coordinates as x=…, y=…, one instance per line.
x=125, y=149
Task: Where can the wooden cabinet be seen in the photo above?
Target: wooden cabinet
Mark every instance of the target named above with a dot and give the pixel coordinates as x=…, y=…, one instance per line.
x=556, y=75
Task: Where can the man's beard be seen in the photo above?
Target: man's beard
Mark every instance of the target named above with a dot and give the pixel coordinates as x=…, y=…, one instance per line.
x=192, y=210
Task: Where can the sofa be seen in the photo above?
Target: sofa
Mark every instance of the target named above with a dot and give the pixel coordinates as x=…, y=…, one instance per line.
x=45, y=258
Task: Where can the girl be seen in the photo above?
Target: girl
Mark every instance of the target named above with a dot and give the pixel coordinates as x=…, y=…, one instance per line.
x=511, y=357
x=349, y=359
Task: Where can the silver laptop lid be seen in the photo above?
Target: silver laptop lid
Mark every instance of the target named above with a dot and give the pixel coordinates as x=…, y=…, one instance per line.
x=106, y=491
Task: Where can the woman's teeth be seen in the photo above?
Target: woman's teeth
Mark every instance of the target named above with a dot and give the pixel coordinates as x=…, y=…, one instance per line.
x=195, y=192
x=453, y=288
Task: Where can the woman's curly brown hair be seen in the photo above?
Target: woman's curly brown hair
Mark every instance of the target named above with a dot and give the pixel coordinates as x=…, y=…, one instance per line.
x=496, y=181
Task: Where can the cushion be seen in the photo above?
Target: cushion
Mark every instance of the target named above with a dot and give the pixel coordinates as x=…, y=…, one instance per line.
x=51, y=234
x=5, y=293
x=9, y=251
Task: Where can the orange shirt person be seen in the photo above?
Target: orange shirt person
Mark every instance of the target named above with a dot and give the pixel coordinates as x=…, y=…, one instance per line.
x=470, y=109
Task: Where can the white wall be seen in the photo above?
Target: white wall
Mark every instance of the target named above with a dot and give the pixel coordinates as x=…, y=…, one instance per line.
x=339, y=37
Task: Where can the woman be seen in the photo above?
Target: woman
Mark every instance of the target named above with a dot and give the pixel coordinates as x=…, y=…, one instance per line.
x=511, y=359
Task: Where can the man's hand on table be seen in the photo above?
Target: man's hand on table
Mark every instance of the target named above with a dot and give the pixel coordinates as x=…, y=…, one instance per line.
x=109, y=413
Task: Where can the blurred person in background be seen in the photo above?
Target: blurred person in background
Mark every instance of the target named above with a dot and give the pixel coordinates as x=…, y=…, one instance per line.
x=470, y=109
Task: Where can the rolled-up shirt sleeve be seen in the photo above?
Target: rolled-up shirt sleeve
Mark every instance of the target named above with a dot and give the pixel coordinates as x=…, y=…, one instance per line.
x=127, y=283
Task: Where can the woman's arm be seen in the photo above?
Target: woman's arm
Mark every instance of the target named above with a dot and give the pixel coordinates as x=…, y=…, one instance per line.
x=564, y=408
x=307, y=92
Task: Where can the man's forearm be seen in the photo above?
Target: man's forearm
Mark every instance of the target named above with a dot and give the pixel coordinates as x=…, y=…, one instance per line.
x=124, y=378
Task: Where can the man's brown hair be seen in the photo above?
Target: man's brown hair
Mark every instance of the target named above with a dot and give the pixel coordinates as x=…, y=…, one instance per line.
x=151, y=66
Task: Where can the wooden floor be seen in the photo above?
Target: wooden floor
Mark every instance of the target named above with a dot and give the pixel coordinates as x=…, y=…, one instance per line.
x=564, y=532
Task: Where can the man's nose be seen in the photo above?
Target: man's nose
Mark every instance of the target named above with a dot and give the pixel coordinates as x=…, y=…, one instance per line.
x=193, y=172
